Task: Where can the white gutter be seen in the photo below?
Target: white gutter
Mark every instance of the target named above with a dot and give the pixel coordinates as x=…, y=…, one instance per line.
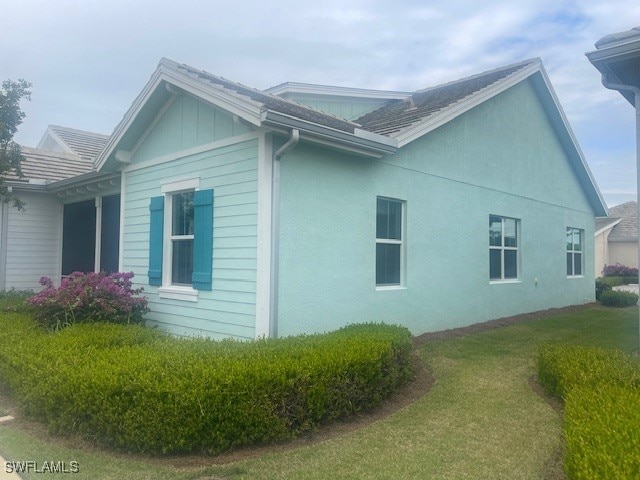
x=275, y=228
x=636, y=93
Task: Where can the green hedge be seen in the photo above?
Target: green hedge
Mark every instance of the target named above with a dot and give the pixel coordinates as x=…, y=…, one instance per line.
x=601, y=393
x=614, y=298
x=602, y=433
x=136, y=389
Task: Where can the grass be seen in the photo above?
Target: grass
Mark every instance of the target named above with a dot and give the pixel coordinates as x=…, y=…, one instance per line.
x=481, y=419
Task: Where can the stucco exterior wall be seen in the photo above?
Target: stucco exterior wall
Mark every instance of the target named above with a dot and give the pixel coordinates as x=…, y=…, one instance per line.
x=500, y=158
x=601, y=247
x=624, y=253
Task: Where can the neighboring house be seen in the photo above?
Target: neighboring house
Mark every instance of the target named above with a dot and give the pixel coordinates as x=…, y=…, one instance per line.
x=617, y=57
x=31, y=241
x=249, y=213
x=617, y=237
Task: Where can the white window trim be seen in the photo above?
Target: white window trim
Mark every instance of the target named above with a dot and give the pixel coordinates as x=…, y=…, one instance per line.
x=168, y=290
x=401, y=242
x=502, y=248
x=581, y=252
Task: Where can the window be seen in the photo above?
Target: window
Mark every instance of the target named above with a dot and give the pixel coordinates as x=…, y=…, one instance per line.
x=181, y=240
x=575, y=238
x=389, y=242
x=503, y=248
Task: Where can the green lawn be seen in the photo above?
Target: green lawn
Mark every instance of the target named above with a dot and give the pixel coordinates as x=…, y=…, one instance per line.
x=480, y=420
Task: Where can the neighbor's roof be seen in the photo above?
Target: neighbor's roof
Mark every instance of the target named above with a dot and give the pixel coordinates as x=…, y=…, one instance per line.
x=46, y=166
x=87, y=145
x=627, y=229
x=618, y=38
x=602, y=223
x=398, y=116
x=617, y=57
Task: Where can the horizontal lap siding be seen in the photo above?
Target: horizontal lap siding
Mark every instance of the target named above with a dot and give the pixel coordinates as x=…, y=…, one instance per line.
x=229, y=309
x=33, y=241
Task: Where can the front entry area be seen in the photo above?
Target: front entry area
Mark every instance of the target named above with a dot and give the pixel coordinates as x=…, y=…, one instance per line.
x=91, y=235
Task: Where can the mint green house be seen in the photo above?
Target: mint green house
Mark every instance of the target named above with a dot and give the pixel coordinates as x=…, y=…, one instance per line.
x=299, y=209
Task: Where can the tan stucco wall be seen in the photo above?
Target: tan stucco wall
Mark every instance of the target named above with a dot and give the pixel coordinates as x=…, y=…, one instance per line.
x=601, y=251
x=624, y=253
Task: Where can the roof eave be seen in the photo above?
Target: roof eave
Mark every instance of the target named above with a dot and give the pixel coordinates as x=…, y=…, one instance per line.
x=243, y=107
x=360, y=141
x=604, y=57
x=608, y=226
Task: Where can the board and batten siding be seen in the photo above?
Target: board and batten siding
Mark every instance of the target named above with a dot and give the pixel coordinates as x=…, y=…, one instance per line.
x=229, y=309
x=34, y=238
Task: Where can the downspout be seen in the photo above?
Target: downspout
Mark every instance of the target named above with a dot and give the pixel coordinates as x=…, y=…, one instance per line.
x=275, y=229
x=636, y=94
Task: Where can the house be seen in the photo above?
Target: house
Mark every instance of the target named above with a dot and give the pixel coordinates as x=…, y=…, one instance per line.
x=617, y=237
x=246, y=213
x=617, y=58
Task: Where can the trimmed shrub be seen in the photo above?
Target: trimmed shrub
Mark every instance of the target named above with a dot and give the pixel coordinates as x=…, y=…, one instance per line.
x=139, y=390
x=601, y=286
x=611, y=281
x=89, y=297
x=618, y=270
x=601, y=393
x=602, y=432
x=615, y=298
x=563, y=367
x=15, y=300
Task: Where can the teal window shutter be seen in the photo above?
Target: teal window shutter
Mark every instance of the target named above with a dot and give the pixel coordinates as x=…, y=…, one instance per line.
x=156, y=232
x=202, y=239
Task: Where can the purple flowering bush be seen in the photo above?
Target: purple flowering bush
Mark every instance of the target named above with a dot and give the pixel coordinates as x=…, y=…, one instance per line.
x=618, y=270
x=87, y=298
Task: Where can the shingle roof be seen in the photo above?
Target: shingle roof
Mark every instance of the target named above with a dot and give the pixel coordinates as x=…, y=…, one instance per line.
x=50, y=166
x=603, y=222
x=87, y=145
x=398, y=116
x=627, y=229
x=268, y=101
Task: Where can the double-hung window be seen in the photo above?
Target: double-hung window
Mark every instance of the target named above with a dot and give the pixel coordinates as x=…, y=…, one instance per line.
x=389, y=242
x=575, y=240
x=181, y=240
x=503, y=248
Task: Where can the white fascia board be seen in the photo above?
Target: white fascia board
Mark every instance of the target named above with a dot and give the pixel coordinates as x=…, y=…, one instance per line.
x=573, y=138
x=328, y=90
x=617, y=49
x=127, y=120
x=607, y=227
x=244, y=107
x=365, y=143
x=59, y=141
x=464, y=105
x=236, y=104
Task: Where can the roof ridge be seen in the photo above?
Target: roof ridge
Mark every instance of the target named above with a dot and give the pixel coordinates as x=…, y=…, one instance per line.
x=71, y=129
x=523, y=63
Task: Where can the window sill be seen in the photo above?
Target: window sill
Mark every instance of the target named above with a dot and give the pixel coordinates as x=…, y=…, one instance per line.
x=499, y=282
x=174, y=292
x=575, y=276
x=390, y=287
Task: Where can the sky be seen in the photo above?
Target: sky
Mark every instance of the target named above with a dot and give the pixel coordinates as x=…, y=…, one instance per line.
x=88, y=60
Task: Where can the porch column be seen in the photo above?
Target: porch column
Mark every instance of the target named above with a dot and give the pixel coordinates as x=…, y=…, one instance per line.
x=98, y=248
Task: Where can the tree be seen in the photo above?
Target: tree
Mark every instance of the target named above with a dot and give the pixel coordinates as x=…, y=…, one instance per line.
x=11, y=117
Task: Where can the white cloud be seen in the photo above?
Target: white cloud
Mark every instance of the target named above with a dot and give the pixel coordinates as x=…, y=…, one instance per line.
x=89, y=59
